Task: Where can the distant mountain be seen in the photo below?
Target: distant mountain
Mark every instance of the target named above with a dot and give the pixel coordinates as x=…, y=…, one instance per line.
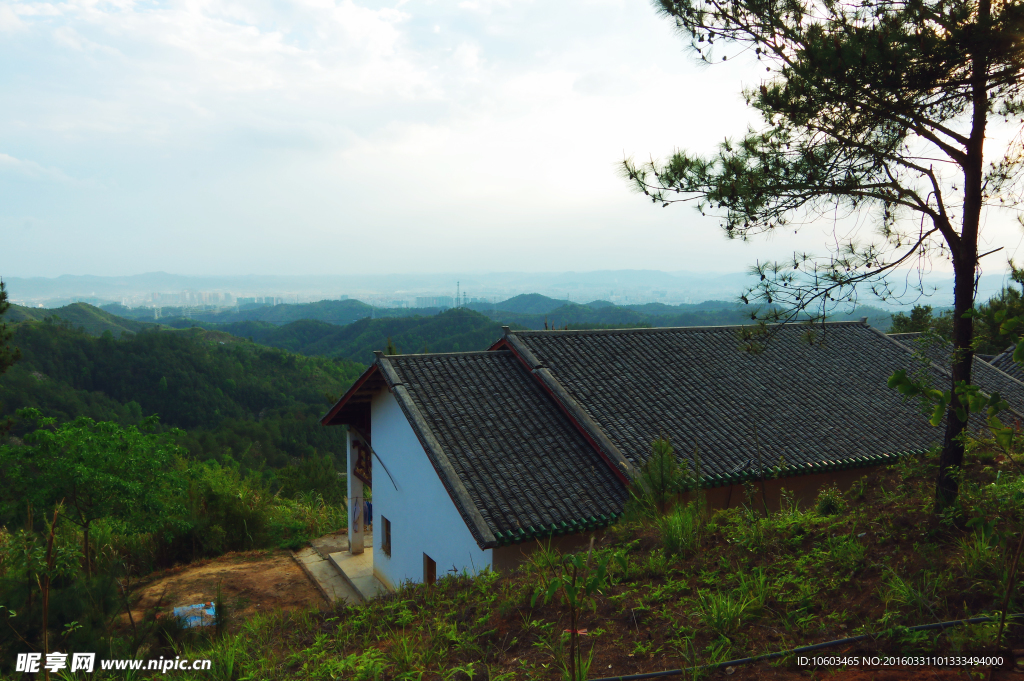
x=525, y=303
x=338, y=312
x=601, y=314
x=663, y=310
x=455, y=330
x=79, y=315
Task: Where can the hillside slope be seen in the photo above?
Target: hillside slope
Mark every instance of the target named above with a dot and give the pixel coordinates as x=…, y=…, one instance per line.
x=449, y=331
x=94, y=320
x=234, y=397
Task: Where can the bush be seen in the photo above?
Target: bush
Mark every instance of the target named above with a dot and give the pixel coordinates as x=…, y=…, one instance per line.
x=830, y=501
x=682, y=529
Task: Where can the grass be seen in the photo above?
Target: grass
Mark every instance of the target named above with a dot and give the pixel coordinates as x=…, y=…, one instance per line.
x=689, y=587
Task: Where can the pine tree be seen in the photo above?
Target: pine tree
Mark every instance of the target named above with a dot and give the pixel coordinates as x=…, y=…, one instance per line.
x=874, y=110
x=8, y=355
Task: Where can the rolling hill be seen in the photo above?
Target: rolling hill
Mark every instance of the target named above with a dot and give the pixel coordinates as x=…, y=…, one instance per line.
x=449, y=331
x=232, y=397
x=80, y=315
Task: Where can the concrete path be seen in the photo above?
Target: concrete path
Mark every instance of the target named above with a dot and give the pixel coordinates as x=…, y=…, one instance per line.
x=326, y=577
x=338, y=574
x=358, y=572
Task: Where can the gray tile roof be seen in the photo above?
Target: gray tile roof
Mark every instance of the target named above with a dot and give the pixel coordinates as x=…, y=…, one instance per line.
x=820, y=406
x=1004, y=362
x=515, y=466
x=999, y=375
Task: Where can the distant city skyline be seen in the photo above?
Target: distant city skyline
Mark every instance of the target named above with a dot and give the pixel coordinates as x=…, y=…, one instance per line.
x=632, y=287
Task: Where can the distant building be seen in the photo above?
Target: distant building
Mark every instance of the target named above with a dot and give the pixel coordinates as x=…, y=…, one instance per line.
x=435, y=301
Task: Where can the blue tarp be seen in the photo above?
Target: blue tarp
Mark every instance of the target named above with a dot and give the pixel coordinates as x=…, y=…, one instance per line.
x=201, y=615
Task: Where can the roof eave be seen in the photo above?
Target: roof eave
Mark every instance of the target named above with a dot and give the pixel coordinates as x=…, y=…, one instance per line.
x=329, y=418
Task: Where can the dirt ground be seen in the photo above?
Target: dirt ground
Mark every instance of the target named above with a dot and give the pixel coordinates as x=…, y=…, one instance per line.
x=251, y=582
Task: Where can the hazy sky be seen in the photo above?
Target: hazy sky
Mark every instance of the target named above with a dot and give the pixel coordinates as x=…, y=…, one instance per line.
x=219, y=137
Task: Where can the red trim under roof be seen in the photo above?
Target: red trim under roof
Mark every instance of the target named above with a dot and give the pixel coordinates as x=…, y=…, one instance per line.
x=328, y=419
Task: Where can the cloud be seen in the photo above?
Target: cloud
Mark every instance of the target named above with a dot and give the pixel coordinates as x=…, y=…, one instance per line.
x=18, y=168
x=288, y=136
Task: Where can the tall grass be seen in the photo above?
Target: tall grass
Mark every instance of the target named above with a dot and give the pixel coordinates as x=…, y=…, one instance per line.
x=724, y=612
x=682, y=529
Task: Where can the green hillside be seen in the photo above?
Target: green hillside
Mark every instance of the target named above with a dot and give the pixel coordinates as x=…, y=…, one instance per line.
x=605, y=315
x=337, y=312
x=232, y=396
x=529, y=303
x=94, y=320
x=450, y=331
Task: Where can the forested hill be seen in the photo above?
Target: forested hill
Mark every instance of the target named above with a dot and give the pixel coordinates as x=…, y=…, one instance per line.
x=338, y=312
x=80, y=315
x=531, y=311
x=465, y=329
x=232, y=396
x=450, y=331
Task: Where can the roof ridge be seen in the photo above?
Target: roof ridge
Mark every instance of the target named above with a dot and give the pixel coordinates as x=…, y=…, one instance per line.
x=662, y=329
x=590, y=429
x=440, y=354
x=949, y=372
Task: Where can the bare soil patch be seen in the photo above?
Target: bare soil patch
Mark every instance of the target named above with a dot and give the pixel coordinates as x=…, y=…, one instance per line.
x=250, y=582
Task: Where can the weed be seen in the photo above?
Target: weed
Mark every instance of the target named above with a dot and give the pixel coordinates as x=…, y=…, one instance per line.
x=859, y=489
x=681, y=530
x=977, y=555
x=845, y=551
x=755, y=586
x=657, y=564
x=723, y=613
x=405, y=654
x=918, y=596
x=830, y=501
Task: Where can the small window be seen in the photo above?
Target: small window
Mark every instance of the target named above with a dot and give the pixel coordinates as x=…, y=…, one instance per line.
x=429, y=570
x=385, y=540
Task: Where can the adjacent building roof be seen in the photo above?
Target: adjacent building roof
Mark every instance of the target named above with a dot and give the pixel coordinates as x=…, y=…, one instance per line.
x=1004, y=362
x=819, y=405
x=1000, y=374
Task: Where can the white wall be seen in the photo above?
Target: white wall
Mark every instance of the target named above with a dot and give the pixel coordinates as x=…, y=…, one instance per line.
x=423, y=517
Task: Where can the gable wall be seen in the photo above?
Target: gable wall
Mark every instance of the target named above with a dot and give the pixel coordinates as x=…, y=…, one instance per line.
x=423, y=517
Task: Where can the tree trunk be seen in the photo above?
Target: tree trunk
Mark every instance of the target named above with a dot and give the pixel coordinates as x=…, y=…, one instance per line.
x=965, y=266
x=947, y=487
x=88, y=563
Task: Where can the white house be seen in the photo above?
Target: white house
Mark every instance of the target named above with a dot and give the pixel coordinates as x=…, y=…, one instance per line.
x=475, y=457
x=470, y=460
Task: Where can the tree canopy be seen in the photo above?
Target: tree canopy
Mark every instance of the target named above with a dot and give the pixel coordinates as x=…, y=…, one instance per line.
x=8, y=355
x=875, y=110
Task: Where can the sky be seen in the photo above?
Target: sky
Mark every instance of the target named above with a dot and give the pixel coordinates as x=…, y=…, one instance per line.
x=339, y=137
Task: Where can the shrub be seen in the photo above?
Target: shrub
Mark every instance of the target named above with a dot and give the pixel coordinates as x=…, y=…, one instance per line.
x=830, y=501
x=682, y=529
x=724, y=613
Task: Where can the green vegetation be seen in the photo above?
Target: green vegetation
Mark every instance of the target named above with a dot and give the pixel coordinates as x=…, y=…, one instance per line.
x=338, y=312
x=450, y=331
x=8, y=355
x=743, y=584
x=87, y=507
x=236, y=400
x=92, y=320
